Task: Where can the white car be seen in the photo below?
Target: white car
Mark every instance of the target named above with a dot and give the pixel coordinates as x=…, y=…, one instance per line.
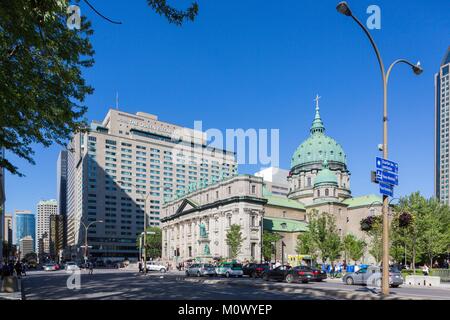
x=155, y=266
x=50, y=267
x=71, y=266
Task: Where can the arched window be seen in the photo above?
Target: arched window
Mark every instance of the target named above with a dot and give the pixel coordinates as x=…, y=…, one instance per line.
x=318, y=193
x=327, y=192
x=309, y=181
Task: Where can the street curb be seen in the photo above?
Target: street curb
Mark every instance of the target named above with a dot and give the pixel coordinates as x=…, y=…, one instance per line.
x=312, y=292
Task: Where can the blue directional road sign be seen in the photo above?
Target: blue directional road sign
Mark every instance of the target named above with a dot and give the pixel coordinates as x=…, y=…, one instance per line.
x=387, y=165
x=387, y=177
x=386, y=189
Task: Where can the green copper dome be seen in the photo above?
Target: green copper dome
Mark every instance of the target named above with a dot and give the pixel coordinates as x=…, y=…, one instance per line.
x=318, y=147
x=325, y=176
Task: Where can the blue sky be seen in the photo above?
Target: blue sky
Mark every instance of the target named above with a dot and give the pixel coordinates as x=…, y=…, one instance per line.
x=259, y=64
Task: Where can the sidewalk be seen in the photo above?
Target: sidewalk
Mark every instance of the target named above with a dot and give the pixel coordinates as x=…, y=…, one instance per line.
x=11, y=295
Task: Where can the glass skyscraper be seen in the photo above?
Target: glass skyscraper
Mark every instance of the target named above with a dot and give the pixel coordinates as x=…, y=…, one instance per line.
x=442, y=123
x=25, y=226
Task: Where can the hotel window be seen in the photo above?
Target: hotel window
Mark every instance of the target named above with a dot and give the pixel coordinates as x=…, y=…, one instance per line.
x=253, y=189
x=110, y=142
x=327, y=192
x=217, y=194
x=309, y=182
x=229, y=190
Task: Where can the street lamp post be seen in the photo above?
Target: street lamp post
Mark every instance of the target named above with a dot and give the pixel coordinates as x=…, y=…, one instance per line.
x=86, y=228
x=343, y=8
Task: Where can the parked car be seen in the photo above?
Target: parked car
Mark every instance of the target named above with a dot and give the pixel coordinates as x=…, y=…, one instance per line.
x=372, y=276
x=201, y=269
x=155, y=266
x=317, y=274
x=229, y=269
x=288, y=274
x=255, y=270
x=71, y=266
x=51, y=267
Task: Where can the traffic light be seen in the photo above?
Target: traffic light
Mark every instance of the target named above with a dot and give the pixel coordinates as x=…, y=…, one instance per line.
x=373, y=177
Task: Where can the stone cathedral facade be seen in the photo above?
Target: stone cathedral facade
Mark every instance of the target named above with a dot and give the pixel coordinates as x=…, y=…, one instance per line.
x=195, y=224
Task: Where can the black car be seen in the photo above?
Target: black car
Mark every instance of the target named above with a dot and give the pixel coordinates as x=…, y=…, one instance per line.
x=317, y=274
x=288, y=274
x=255, y=270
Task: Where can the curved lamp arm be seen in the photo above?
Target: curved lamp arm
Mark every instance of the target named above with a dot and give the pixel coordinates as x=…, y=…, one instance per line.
x=343, y=8
x=417, y=69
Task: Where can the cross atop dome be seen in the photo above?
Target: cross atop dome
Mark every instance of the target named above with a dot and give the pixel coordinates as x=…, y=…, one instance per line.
x=317, y=126
x=317, y=101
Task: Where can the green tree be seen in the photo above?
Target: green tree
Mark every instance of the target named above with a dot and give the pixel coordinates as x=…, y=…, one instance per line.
x=434, y=231
x=42, y=90
x=426, y=236
x=153, y=243
x=268, y=239
x=174, y=15
x=353, y=247
x=322, y=238
x=234, y=240
x=306, y=245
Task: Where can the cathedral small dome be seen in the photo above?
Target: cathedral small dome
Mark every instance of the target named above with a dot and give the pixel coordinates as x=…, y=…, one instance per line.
x=325, y=177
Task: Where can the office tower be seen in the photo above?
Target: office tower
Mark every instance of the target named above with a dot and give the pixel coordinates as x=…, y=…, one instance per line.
x=8, y=229
x=45, y=209
x=25, y=246
x=442, y=91
x=25, y=224
x=61, y=190
x=129, y=163
x=56, y=236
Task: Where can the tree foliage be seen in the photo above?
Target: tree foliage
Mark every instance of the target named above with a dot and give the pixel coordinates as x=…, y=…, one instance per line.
x=173, y=15
x=234, y=240
x=427, y=233
x=42, y=89
x=153, y=243
x=353, y=247
x=41, y=86
x=322, y=239
x=268, y=239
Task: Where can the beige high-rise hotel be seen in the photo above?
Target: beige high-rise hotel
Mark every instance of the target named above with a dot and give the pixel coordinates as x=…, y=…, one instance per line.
x=128, y=163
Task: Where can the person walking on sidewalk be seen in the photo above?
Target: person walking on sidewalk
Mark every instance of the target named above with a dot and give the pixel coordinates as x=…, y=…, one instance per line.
x=426, y=270
x=91, y=268
x=18, y=269
x=5, y=271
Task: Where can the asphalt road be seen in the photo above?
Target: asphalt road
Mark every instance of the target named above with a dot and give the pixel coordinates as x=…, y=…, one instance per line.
x=128, y=284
